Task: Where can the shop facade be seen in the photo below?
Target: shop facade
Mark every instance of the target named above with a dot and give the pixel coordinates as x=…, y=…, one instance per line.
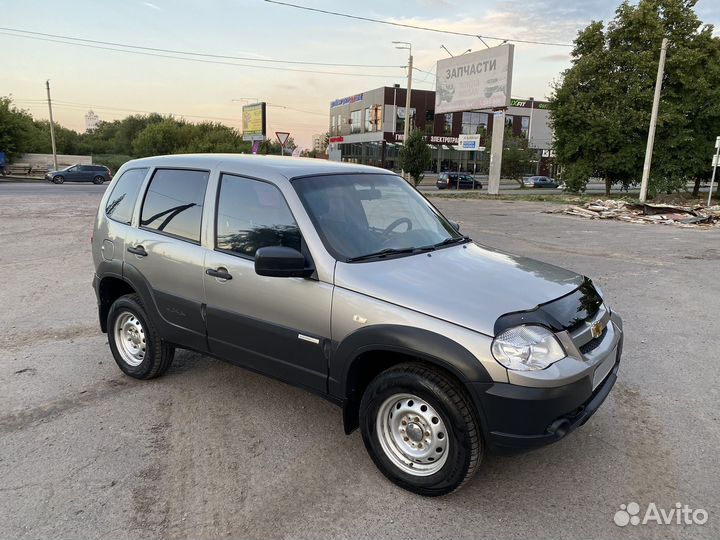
x=368, y=128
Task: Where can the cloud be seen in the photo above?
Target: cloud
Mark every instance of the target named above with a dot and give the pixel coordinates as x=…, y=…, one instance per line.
x=556, y=57
x=151, y=6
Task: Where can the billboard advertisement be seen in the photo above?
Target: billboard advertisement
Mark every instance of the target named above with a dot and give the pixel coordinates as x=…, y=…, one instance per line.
x=479, y=80
x=253, y=122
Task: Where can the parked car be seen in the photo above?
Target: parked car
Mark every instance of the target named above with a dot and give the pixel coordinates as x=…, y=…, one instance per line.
x=97, y=174
x=540, y=182
x=451, y=179
x=320, y=274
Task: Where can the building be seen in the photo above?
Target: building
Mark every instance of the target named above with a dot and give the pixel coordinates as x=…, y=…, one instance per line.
x=319, y=143
x=368, y=128
x=92, y=121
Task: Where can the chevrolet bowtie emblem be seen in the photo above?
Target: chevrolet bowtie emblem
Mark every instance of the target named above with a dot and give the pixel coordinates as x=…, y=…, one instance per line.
x=596, y=329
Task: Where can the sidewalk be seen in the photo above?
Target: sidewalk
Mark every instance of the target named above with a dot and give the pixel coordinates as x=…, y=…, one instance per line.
x=22, y=179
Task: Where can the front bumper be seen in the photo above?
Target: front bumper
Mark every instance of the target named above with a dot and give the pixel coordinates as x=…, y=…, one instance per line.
x=517, y=418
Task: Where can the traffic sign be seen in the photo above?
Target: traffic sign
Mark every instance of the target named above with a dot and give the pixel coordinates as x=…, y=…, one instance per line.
x=282, y=137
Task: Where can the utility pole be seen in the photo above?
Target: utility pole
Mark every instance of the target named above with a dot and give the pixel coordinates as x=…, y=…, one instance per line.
x=496, y=152
x=406, y=45
x=716, y=164
x=653, y=122
x=52, y=126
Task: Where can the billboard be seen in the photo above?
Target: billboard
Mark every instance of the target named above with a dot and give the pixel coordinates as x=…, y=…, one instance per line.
x=479, y=80
x=253, y=122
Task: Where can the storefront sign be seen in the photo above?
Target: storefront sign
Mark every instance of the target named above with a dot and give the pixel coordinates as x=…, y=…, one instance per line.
x=468, y=143
x=432, y=139
x=527, y=104
x=346, y=101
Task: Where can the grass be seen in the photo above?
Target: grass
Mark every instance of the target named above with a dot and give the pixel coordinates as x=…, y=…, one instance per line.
x=682, y=199
x=557, y=198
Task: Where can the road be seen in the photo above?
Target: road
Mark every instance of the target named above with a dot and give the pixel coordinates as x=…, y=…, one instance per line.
x=210, y=450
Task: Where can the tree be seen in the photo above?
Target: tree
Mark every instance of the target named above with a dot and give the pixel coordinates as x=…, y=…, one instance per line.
x=415, y=156
x=16, y=129
x=272, y=147
x=600, y=109
x=517, y=155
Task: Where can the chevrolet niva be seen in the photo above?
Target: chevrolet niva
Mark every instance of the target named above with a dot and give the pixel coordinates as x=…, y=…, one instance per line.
x=323, y=275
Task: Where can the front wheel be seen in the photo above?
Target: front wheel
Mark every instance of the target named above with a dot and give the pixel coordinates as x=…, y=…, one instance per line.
x=138, y=349
x=420, y=429
x=58, y=179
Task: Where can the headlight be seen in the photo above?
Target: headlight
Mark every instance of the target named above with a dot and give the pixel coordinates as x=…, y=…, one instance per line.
x=527, y=348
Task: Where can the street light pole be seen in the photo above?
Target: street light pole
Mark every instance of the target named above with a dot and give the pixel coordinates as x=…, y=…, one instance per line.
x=52, y=126
x=653, y=122
x=406, y=134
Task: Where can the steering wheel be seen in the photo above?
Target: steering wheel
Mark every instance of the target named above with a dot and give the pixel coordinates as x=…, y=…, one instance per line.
x=395, y=224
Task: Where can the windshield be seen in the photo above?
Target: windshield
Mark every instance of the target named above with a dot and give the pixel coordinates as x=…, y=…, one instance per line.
x=362, y=216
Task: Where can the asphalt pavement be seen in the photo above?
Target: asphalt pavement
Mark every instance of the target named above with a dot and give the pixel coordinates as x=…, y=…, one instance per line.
x=210, y=450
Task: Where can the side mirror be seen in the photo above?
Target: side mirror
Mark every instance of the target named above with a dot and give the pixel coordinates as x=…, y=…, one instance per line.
x=455, y=225
x=280, y=261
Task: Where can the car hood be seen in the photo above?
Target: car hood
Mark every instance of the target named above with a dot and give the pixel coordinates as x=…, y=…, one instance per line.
x=468, y=285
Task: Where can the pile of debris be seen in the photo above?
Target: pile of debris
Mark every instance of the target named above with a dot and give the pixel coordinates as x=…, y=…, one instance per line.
x=668, y=214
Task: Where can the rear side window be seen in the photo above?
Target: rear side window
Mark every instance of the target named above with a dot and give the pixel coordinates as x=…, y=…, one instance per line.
x=121, y=202
x=174, y=202
x=252, y=214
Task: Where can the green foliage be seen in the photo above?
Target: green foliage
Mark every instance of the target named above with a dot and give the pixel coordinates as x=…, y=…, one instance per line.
x=113, y=161
x=600, y=109
x=272, y=147
x=16, y=129
x=113, y=143
x=516, y=157
x=415, y=156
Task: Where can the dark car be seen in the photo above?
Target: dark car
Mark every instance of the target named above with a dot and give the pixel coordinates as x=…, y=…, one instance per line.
x=540, y=182
x=97, y=174
x=451, y=180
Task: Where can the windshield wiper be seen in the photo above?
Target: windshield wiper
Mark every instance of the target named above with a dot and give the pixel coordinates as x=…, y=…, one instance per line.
x=382, y=253
x=446, y=242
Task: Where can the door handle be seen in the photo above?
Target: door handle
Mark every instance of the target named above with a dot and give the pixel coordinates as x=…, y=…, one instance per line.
x=220, y=273
x=138, y=250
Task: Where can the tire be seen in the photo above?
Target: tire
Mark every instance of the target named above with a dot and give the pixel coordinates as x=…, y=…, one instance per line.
x=58, y=179
x=98, y=180
x=455, y=450
x=138, y=349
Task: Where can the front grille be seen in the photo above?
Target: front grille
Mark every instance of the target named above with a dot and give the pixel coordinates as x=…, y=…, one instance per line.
x=594, y=343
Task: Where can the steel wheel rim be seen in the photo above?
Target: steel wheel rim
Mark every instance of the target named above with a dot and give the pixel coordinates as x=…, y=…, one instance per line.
x=130, y=338
x=412, y=434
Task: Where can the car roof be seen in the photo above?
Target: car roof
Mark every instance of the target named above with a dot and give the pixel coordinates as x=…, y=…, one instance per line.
x=268, y=167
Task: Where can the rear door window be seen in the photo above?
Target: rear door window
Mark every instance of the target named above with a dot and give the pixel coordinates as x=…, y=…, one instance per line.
x=121, y=203
x=174, y=203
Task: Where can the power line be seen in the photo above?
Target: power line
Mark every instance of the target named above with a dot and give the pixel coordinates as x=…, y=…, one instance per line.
x=199, y=60
x=415, y=27
x=193, y=53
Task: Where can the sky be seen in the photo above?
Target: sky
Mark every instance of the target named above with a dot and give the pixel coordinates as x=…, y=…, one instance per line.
x=115, y=83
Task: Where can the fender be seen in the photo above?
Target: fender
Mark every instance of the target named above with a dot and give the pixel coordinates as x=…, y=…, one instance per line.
x=346, y=361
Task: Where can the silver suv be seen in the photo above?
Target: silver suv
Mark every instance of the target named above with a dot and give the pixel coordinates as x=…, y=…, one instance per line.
x=322, y=275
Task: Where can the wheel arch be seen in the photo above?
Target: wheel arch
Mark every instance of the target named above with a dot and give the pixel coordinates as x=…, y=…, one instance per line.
x=110, y=288
x=367, y=352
